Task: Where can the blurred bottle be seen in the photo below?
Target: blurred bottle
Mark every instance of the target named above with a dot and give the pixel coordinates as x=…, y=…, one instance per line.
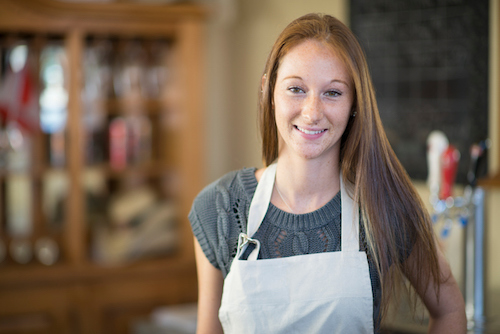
x=155, y=72
x=18, y=197
x=437, y=142
x=129, y=68
x=97, y=71
x=118, y=152
x=139, y=139
x=449, y=165
x=478, y=164
x=54, y=101
x=19, y=107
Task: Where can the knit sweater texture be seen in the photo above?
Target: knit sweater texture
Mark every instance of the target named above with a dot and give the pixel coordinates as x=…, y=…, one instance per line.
x=220, y=212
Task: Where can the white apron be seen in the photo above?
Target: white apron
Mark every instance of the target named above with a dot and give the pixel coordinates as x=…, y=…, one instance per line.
x=316, y=293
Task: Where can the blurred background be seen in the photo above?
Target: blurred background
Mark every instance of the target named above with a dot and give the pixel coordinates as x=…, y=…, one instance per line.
x=115, y=114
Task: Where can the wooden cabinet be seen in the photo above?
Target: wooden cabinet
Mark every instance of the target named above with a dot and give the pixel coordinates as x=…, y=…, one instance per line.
x=83, y=292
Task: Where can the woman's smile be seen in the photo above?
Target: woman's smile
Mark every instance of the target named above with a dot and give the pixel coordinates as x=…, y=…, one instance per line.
x=309, y=132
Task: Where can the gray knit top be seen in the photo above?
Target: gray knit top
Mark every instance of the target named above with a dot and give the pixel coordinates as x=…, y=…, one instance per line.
x=219, y=214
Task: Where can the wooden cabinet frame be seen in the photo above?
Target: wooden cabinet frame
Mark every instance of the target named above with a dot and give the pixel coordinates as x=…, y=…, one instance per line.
x=86, y=296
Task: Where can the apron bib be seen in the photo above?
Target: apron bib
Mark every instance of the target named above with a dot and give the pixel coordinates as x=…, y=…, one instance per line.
x=316, y=293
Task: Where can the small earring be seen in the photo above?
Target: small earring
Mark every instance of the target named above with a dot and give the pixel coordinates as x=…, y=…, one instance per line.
x=353, y=114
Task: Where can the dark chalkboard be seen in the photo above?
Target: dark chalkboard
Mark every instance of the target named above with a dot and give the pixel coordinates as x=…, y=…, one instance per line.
x=429, y=64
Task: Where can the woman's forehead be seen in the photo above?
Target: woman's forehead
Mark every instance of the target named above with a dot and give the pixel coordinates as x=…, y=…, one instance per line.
x=313, y=55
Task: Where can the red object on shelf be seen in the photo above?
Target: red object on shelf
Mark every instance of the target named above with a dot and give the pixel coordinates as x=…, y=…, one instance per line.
x=118, y=143
x=449, y=166
x=19, y=98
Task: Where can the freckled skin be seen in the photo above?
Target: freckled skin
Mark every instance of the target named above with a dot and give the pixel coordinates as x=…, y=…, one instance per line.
x=313, y=92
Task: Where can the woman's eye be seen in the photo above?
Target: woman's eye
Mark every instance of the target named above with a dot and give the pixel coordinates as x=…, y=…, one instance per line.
x=333, y=93
x=295, y=89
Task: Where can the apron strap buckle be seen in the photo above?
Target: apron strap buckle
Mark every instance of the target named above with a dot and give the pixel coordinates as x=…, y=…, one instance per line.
x=243, y=241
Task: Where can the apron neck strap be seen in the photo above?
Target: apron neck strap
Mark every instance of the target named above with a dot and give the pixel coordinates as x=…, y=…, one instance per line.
x=262, y=198
x=350, y=221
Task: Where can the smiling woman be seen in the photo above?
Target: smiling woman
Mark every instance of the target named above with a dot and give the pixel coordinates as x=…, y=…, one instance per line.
x=320, y=239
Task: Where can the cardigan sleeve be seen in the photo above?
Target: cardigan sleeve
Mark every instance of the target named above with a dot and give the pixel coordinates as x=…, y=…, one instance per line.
x=211, y=221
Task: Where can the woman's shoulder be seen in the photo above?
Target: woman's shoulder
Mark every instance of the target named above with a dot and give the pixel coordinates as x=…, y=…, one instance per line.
x=242, y=177
x=238, y=181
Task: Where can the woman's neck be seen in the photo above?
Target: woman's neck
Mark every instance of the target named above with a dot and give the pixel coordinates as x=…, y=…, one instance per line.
x=303, y=185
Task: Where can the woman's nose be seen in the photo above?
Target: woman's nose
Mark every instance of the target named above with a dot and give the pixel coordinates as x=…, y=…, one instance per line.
x=312, y=110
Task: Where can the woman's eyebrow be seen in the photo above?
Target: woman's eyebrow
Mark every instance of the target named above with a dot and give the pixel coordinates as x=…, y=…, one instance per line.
x=293, y=77
x=340, y=81
x=300, y=78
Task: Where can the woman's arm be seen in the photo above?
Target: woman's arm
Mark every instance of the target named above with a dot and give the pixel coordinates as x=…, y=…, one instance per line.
x=446, y=310
x=210, y=283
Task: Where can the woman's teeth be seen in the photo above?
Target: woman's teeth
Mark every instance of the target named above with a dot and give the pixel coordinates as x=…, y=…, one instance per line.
x=307, y=132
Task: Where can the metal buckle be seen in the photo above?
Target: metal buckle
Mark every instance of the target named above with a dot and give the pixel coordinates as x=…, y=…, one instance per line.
x=244, y=240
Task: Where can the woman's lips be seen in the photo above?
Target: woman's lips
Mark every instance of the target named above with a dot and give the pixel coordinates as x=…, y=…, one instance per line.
x=309, y=132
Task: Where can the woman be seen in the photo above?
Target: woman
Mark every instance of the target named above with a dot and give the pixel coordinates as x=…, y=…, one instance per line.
x=319, y=240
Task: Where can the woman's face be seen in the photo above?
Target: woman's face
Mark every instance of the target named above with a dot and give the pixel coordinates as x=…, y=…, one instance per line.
x=313, y=98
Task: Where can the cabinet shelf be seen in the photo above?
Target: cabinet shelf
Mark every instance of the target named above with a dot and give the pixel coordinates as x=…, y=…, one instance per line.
x=152, y=107
x=148, y=170
x=36, y=172
x=62, y=273
x=490, y=182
